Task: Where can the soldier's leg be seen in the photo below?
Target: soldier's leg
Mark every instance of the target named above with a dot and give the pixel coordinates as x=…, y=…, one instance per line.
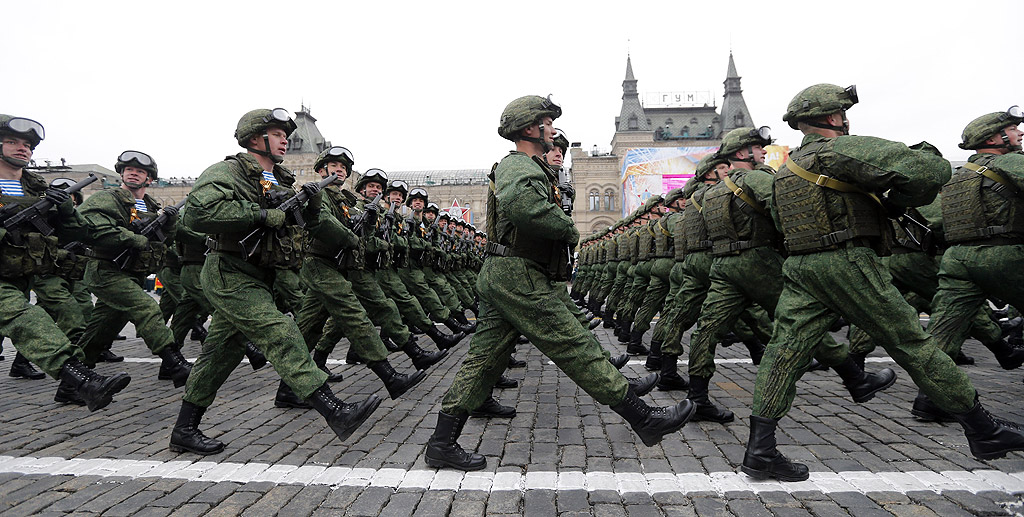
x=465, y=297
x=444, y=291
x=573, y=308
x=124, y=293
x=171, y=294
x=654, y=298
x=408, y=306
x=32, y=332
x=185, y=315
x=102, y=327
x=54, y=295
x=418, y=287
x=381, y=310
x=690, y=298
x=83, y=297
x=288, y=290
x=221, y=353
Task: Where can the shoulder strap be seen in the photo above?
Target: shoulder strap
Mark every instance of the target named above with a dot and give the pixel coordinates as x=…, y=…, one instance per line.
x=744, y=196
x=990, y=174
x=825, y=181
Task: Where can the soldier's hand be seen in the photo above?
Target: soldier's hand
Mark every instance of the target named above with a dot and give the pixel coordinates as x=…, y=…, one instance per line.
x=567, y=188
x=272, y=217
x=171, y=211
x=311, y=189
x=311, y=212
x=57, y=196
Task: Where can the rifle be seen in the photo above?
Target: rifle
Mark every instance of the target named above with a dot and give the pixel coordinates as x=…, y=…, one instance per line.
x=926, y=242
x=293, y=206
x=33, y=215
x=385, y=234
x=360, y=222
x=566, y=202
x=153, y=230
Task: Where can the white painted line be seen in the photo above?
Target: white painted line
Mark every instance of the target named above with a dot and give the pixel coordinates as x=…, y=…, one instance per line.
x=193, y=360
x=428, y=479
x=740, y=360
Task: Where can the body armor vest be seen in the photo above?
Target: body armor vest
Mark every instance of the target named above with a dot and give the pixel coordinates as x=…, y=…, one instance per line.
x=36, y=254
x=695, y=230
x=978, y=209
x=645, y=242
x=611, y=249
x=723, y=209
x=678, y=229
x=664, y=243
x=816, y=218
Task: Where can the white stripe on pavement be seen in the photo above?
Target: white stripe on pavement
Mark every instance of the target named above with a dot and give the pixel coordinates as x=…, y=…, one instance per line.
x=621, y=482
x=740, y=360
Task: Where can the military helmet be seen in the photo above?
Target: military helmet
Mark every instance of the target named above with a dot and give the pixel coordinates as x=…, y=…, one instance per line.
x=335, y=154
x=651, y=201
x=743, y=137
x=22, y=128
x=561, y=141
x=372, y=175
x=258, y=121
x=445, y=215
x=708, y=164
x=988, y=125
x=525, y=112
x=418, y=192
x=432, y=207
x=673, y=195
x=398, y=185
x=136, y=159
x=818, y=101
x=64, y=183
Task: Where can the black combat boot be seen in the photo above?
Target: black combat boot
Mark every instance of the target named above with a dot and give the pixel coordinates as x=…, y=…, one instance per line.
x=66, y=394
x=351, y=357
x=963, y=359
x=256, y=358
x=643, y=385
x=619, y=361
x=442, y=340
x=595, y=308
x=199, y=332
x=670, y=378
x=636, y=343
x=456, y=327
x=491, y=408
x=756, y=349
x=286, y=398
x=653, y=423
x=422, y=359
x=396, y=383
x=859, y=357
x=475, y=309
x=762, y=460
x=506, y=383
x=468, y=327
x=729, y=339
x=443, y=449
x=1009, y=357
x=654, y=359
x=21, y=367
x=706, y=410
x=925, y=411
x=608, y=321
x=863, y=385
x=625, y=331
x=838, y=325
x=816, y=366
x=320, y=359
x=174, y=366
x=989, y=437
x=107, y=356
x=515, y=363
x=186, y=436
x=594, y=323
x=96, y=390
x=342, y=417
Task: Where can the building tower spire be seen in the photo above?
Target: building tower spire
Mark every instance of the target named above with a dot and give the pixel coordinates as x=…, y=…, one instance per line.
x=734, y=109
x=631, y=116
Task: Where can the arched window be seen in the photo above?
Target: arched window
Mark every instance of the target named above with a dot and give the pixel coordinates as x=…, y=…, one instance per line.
x=739, y=119
x=609, y=200
x=594, y=200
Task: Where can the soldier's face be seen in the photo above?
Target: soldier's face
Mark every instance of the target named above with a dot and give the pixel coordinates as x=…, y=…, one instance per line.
x=335, y=168
x=396, y=196
x=759, y=153
x=278, y=141
x=416, y=203
x=549, y=129
x=135, y=176
x=680, y=203
x=1012, y=132
x=17, y=148
x=372, y=188
x=554, y=156
x=429, y=216
x=443, y=223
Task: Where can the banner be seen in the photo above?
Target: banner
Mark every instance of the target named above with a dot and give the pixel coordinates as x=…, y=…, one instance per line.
x=652, y=171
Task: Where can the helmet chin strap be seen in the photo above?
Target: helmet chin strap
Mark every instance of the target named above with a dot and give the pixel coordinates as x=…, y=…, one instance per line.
x=266, y=151
x=844, y=129
x=547, y=146
x=1005, y=145
x=15, y=162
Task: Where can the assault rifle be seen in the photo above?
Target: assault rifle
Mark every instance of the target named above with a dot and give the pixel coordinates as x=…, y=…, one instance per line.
x=293, y=206
x=927, y=241
x=384, y=232
x=34, y=215
x=152, y=230
x=371, y=211
x=566, y=203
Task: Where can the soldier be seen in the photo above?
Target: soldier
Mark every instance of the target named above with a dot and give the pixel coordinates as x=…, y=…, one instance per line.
x=668, y=254
x=230, y=200
x=653, y=210
x=530, y=239
x=332, y=252
x=826, y=201
x=433, y=270
x=113, y=217
x=28, y=253
x=983, y=217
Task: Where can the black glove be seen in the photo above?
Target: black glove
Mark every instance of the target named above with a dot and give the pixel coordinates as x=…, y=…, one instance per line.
x=171, y=211
x=311, y=189
x=57, y=196
x=567, y=189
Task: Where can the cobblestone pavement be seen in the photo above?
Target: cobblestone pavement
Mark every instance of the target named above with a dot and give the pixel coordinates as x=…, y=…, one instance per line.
x=561, y=455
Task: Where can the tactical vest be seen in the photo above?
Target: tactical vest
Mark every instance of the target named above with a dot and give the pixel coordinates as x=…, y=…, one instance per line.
x=725, y=211
x=143, y=261
x=815, y=218
x=678, y=229
x=694, y=228
x=645, y=242
x=633, y=245
x=35, y=254
x=979, y=206
x=611, y=249
x=664, y=243
x=351, y=258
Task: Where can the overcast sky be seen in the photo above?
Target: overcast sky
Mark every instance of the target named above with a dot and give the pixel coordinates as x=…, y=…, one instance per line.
x=421, y=85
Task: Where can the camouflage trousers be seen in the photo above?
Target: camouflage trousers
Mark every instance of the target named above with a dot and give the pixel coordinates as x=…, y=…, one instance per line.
x=120, y=299
x=31, y=330
x=737, y=282
x=853, y=283
x=967, y=276
x=517, y=298
x=417, y=284
x=917, y=274
x=684, y=309
x=55, y=295
x=637, y=290
x=194, y=305
x=622, y=278
x=83, y=297
x=171, y=294
x=382, y=310
x=288, y=290
x=409, y=308
x=244, y=309
x=439, y=284
x=465, y=293
x=329, y=293
x=675, y=281
x=657, y=292
x=604, y=287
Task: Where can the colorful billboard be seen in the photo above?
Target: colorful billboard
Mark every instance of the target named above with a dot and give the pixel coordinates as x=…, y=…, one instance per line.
x=650, y=171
